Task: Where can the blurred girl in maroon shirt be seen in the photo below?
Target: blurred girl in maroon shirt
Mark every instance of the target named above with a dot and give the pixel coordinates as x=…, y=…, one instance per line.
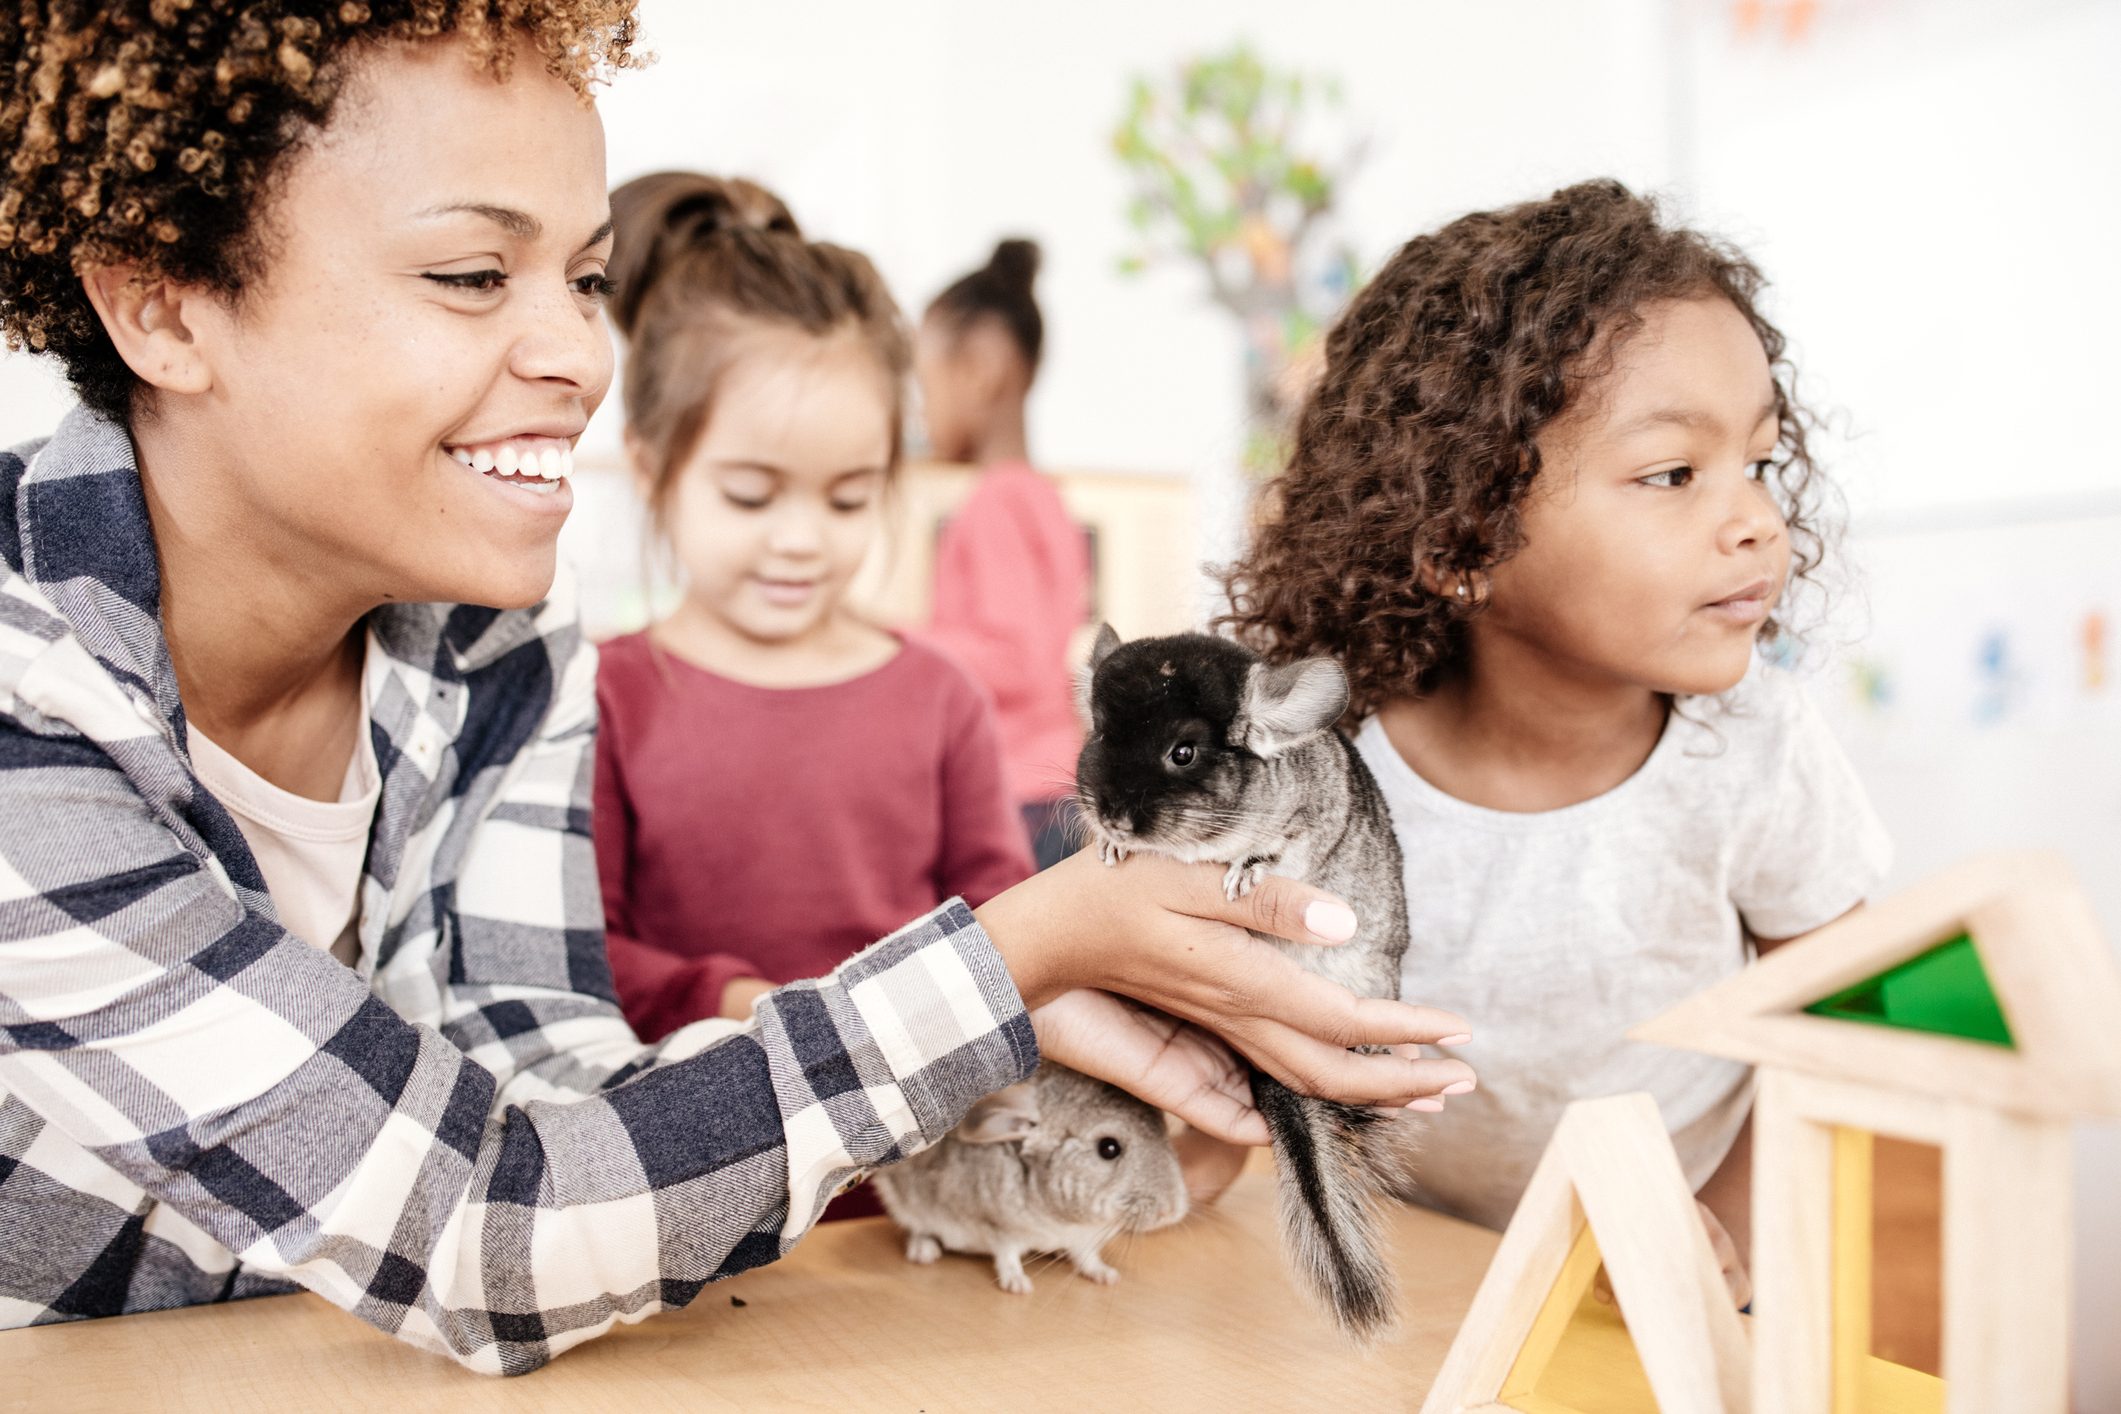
x=779, y=782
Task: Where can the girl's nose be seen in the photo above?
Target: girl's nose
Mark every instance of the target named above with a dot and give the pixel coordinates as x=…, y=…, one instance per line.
x=1753, y=520
x=795, y=531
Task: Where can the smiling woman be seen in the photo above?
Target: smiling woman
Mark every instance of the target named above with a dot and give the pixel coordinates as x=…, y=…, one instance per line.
x=302, y=968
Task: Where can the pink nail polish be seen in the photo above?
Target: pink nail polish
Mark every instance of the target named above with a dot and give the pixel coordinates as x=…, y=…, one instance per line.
x=1459, y=1087
x=1426, y=1106
x=1459, y=1040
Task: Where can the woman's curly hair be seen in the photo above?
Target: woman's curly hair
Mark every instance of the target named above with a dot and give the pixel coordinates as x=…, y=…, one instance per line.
x=149, y=132
x=1415, y=451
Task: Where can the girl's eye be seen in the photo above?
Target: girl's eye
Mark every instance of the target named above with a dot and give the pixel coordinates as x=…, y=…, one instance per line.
x=1762, y=470
x=1674, y=479
x=850, y=507
x=1182, y=754
x=482, y=282
x=597, y=287
x=745, y=503
x=1109, y=1148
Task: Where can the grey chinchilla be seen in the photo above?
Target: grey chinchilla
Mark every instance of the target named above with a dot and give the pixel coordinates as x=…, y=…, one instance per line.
x=1061, y=1163
x=1199, y=750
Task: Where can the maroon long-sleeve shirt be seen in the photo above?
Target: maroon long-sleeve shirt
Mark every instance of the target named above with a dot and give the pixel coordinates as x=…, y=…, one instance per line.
x=774, y=832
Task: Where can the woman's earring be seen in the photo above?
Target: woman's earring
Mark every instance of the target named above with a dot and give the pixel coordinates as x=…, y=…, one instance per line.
x=1463, y=592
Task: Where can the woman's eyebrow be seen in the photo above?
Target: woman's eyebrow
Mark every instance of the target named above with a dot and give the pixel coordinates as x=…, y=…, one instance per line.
x=520, y=224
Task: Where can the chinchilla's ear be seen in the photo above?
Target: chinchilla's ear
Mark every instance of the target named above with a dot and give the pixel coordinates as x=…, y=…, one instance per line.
x=1001, y=1118
x=1107, y=640
x=1287, y=705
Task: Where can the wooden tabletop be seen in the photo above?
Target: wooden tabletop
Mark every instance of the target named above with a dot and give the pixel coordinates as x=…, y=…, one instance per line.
x=1203, y=1317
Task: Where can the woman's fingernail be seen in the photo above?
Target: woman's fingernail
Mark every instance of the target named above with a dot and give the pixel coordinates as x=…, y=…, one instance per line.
x=1334, y=922
x=1429, y=1105
x=1459, y=1040
x=1459, y=1087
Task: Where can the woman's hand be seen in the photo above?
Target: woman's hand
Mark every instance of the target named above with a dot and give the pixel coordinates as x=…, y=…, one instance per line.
x=1162, y=933
x=1173, y=1065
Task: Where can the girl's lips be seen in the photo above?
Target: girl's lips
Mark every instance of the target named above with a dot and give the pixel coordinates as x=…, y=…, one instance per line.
x=1748, y=606
x=785, y=593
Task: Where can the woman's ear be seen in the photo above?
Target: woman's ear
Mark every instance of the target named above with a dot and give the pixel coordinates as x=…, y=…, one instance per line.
x=155, y=325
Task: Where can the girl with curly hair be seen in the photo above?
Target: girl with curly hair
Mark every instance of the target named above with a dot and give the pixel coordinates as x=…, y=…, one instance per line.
x=1547, y=497
x=302, y=969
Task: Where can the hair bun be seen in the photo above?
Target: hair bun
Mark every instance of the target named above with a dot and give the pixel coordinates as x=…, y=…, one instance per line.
x=658, y=218
x=1015, y=260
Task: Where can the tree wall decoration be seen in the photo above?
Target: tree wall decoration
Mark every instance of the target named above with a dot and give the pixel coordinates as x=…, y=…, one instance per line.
x=1237, y=167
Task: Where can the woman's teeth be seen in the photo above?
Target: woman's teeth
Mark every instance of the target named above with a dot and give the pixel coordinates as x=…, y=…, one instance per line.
x=533, y=468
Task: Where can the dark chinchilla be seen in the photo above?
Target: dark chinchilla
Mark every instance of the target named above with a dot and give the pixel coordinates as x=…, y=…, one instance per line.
x=1199, y=750
x=1060, y=1163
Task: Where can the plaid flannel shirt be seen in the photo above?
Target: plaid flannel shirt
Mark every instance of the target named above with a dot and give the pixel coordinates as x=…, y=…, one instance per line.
x=459, y=1140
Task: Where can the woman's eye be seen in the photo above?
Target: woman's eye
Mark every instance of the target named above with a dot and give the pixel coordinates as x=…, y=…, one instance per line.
x=1762, y=470
x=1109, y=1148
x=1675, y=478
x=744, y=503
x=598, y=287
x=477, y=281
x=850, y=507
x=1182, y=754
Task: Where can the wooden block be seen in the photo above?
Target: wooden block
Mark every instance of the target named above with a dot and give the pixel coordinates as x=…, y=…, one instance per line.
x=2056, y=982
x=1792, y=1254
x=1611, y=1167
x=2006, y=1264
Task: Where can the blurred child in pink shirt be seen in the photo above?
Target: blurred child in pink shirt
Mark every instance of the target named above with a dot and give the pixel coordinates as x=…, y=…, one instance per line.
x=1012, y=571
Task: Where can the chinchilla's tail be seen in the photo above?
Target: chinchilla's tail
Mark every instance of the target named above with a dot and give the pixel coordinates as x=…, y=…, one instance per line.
x=1329, y=1220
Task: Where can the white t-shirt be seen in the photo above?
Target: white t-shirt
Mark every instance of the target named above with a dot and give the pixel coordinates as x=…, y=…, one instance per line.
x=311, y=852
x=1553, y=932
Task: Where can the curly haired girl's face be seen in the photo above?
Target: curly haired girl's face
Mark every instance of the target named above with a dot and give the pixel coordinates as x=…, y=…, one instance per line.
x=1653, y=551
x=398, y=396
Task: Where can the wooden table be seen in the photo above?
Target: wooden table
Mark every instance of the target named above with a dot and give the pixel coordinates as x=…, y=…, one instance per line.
x=1204, y=1317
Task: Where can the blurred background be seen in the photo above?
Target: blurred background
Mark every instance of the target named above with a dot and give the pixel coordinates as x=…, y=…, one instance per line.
x=1933, y=186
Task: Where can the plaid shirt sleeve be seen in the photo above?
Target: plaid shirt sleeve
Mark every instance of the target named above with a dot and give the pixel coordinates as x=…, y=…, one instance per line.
x=499, y=1185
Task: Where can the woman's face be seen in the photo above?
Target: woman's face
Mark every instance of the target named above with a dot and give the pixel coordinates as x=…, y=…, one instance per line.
x=427, y=325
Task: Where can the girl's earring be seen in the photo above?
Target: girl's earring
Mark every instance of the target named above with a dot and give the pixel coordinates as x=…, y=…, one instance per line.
x=1463, y=592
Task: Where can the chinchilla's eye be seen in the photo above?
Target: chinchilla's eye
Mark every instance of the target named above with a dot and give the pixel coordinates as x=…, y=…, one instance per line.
x=1182, y=754
x=1109, y=1148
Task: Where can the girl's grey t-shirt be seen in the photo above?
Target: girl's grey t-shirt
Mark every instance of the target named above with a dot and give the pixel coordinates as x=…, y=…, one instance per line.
x=1554, y=932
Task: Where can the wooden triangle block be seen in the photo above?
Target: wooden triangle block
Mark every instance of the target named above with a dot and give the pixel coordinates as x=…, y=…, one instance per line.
x=1610, y=1166
x=2056, y=982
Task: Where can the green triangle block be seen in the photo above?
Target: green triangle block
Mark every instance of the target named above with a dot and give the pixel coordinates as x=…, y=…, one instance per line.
x=1944, y=991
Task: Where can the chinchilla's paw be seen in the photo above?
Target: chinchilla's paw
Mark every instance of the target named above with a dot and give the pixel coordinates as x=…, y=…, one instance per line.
x=1093, y=1268
x=1109, y=853
x=1243, y=877
x=922, y=1248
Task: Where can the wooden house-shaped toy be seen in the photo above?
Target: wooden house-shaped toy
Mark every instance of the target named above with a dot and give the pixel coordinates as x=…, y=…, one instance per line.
x=1978, y=1012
